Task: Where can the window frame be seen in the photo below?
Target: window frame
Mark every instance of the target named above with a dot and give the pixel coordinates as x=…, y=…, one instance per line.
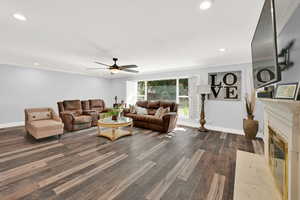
x=177, y=91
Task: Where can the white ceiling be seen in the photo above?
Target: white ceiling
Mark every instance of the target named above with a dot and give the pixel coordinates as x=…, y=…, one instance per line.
x=157, y=35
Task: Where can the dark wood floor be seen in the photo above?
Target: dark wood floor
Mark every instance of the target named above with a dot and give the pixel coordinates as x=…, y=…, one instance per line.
x=147, y=165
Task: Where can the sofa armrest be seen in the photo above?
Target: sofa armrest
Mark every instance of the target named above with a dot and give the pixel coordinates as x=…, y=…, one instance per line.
x=126, y=110
x=55, y=117
x=67, y=118
x=105, y=110
x=169, y=121
x=89, y=112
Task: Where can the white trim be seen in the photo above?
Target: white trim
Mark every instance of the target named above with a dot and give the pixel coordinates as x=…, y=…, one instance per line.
x=177, y=90
x=216, y=128
x=12, y=124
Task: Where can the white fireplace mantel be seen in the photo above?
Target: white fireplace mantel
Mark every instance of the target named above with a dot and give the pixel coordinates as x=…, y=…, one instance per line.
x=284, y=118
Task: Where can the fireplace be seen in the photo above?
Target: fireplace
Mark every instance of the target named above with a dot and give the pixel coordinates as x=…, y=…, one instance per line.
x=278, y=161
x=282, y=144
x=276, y=175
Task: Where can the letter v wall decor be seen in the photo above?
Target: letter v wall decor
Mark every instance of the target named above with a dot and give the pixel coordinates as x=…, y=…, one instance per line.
x=225, y=85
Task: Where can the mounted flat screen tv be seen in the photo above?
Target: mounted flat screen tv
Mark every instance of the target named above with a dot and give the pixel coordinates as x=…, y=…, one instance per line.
x=264, y=48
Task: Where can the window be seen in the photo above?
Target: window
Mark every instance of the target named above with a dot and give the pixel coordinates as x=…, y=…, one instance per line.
x=141, y=90
x=161, y=90
x=176, y=90
x=183, y=98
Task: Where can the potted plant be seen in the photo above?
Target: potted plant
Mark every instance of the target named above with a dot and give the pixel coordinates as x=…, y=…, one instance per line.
x=115, y=113
x=250, y=125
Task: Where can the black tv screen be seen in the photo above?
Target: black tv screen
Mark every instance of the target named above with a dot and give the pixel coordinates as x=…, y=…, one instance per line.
x=264, y=48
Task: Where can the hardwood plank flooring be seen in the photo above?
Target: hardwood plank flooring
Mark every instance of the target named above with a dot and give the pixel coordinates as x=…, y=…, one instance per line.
x=216, y=188
x=184, y=165
x=170, y=178
x=142, y=156
x=116, y=190
x=188, y=169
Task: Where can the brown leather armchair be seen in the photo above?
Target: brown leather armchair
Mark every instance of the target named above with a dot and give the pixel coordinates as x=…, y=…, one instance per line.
x=73, y=116
x=165, y=124
x=97, y=107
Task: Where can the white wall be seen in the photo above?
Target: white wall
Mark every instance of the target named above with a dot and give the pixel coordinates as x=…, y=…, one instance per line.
x=289, y=32
x=220, y=114
x=25, y=88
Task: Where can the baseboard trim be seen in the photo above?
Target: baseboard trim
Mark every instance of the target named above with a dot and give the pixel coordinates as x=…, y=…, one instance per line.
x=183, y=123
x=12, y=124
x=216, y=128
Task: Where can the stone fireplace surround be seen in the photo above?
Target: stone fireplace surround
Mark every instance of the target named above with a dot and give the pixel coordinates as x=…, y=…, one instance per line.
x=283, y=116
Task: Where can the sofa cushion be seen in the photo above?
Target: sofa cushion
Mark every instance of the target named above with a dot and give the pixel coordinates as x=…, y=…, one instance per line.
x=145, y=118
x=153, y=120
x=151, y=111
x=43, y=115
x=82, y=119
x=46, y=125
x=141, y=110
x=143, y=104
x=131, y=115
x=96, y=103
x=153, y=104
x=73, y=105
x=98, y=109
x=150, y=119
x=166, y=104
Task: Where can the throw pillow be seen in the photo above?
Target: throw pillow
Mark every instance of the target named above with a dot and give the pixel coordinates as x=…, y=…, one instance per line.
x=162, y=111
x=158, y=112
x=34, y=116
x=141, y=111
x=132, y=109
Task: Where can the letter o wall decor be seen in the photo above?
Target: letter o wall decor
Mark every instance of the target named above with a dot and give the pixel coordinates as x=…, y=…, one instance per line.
x=225, y=85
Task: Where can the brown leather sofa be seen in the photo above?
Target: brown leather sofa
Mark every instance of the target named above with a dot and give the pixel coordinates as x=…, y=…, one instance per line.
x=97, y=106
x=73, y=116
x=165, y=124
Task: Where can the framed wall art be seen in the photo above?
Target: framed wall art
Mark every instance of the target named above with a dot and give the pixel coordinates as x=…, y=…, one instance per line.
x=287, y=91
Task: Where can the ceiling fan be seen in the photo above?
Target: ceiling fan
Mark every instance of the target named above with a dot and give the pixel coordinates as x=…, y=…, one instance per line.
x=116, y=68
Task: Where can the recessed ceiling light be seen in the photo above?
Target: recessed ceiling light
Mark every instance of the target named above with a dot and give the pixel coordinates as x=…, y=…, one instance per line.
x=36, y=64
x=206, y=4
x=20, y=17
x=222, y=50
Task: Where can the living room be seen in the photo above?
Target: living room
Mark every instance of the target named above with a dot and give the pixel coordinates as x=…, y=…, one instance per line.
x=150, y=100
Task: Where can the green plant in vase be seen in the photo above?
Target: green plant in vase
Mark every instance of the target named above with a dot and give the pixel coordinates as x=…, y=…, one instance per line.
x=115, y=113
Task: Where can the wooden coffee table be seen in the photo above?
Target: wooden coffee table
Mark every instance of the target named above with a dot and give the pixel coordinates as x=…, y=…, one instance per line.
x=115, y=132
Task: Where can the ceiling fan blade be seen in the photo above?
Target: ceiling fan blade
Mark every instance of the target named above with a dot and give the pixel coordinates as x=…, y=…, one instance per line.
x=102, y=64
x=95, y=68
x=128, y=66
x=130, y=70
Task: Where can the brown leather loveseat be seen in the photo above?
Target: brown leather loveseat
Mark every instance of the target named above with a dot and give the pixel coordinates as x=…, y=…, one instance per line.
x=165, y=124
x=73, y=116
x=97, y=106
